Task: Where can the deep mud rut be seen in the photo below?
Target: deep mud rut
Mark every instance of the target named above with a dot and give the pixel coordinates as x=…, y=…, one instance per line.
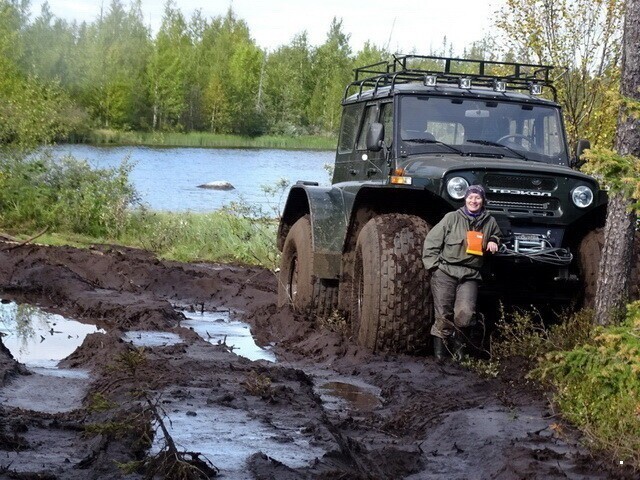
x=393, y=417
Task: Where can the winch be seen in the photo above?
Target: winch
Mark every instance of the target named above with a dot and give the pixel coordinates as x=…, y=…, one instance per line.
x=535, y=247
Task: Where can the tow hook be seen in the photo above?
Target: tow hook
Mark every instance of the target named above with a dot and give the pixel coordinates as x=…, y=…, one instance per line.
x=565, y=276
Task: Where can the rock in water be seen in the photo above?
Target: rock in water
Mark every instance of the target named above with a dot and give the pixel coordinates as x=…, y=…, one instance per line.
x=217, y=185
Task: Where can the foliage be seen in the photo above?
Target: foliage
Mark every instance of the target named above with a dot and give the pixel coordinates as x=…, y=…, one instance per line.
x=168, y=72
x=116, y=51
x=331, y=71
x=620, y=173
x=524, y=333
x=337, y=323
x=258, y=384
x=64, y=194
x=210, y=140
x=594, y=370
x=598, y=386
x=32, y=112
x=583, y=36
x=217, y=236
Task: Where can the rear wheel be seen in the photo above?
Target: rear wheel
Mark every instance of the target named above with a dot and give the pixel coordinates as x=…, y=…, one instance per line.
x=589, y=252
x=297, y=285
x=391, y=307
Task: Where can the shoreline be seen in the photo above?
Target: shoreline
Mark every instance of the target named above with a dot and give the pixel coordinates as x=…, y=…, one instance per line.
x=112, y=138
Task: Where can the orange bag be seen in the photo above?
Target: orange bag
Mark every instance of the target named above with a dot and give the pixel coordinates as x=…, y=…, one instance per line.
x=474, y=243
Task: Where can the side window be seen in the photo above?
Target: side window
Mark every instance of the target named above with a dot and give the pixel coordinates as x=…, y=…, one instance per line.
x=552, y=143
x=349, y=127
x=386, y=118
x=370, y=114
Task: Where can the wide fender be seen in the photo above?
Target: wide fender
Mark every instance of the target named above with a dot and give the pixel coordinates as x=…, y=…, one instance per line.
x=326, y=207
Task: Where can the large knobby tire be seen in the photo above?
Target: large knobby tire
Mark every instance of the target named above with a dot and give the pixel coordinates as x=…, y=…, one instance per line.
x=589, y=253
x=392, y=307
x=297, y=285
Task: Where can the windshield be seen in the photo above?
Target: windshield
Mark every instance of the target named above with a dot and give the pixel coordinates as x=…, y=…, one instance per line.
x=481, y=127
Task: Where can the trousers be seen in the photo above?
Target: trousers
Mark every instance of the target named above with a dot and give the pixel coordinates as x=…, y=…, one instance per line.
x=454, y=302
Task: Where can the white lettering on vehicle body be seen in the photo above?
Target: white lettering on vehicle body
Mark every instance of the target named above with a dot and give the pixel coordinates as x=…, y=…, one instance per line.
x=510, y=191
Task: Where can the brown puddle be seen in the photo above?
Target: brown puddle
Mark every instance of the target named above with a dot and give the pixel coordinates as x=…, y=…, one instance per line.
x=356, y=398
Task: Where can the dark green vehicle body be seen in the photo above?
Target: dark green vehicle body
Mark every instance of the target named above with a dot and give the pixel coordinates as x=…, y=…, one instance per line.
x=399, y=127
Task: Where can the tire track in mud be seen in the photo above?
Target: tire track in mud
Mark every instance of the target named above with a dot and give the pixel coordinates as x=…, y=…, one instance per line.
x=431, y=422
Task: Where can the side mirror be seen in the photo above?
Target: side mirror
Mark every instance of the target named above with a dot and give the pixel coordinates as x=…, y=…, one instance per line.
x=580, y=148
x=375, y=137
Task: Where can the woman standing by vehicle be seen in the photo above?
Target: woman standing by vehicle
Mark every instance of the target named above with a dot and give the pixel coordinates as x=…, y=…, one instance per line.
x=454, y=253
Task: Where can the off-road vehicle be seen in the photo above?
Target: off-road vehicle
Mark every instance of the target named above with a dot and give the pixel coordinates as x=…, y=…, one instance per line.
x=416, y=132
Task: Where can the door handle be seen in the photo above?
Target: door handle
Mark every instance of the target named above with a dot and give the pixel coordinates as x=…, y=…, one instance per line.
x=353, y=171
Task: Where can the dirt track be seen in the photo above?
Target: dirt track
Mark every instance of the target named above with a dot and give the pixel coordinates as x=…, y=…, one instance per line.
x=420, y=420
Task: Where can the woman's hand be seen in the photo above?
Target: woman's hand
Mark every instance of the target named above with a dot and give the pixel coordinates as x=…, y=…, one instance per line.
x=492, y=247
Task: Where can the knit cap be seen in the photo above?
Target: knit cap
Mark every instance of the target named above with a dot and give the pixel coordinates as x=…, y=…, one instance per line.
x=477, y=189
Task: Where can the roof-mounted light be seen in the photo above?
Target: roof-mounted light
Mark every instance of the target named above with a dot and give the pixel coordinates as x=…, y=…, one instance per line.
x=500, y=86
x=430, y=80
x=535, y=88
x=464, y=82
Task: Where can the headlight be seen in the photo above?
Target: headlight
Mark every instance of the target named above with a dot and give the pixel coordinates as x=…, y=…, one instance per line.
x=582, y=196
x=457, y=187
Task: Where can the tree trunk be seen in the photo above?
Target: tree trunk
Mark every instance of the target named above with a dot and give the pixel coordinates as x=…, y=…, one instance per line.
x=617, y=253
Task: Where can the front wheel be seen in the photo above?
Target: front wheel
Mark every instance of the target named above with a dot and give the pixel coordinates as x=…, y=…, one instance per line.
x=391, y=307
x=297, y=284
x=589, y=253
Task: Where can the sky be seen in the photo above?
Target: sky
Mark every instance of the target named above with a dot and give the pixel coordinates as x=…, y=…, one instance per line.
x=404, y=26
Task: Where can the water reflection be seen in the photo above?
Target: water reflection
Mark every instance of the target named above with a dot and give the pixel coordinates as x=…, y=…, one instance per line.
x=37, y=338
x=218, y=327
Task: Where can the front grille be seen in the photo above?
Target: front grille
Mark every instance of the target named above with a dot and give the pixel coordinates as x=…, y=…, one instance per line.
x=493, y=180
x=538, y=207
x=522, y=195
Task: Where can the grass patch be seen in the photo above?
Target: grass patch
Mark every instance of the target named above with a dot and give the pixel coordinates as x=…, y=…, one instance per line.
x=524, y=333
x=598, y=387
x=217, y=237
x=594, y=372
x=78, y=205
x=210, y=140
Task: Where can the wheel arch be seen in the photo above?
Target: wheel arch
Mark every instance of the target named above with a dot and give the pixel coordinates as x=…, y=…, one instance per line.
x=296, y=207
x=582, y=226
x=328, y=217
x=373, y=201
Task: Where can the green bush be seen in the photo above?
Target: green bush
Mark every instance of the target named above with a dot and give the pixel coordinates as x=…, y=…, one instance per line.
x=66, y=195
x=524, y=333
x=598, y=386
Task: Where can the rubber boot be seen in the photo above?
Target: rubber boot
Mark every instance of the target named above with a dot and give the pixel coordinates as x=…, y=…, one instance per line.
x=458, y=346
x=440, y=350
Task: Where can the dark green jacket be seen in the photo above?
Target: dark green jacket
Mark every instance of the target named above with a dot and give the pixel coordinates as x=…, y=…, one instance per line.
x=446, y=244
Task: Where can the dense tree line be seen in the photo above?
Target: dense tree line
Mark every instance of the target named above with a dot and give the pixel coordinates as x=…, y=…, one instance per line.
x=208, y=74
x=194, y=74
x=197, y=74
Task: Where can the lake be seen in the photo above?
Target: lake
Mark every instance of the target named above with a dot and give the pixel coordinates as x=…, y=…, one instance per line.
x=167, y=178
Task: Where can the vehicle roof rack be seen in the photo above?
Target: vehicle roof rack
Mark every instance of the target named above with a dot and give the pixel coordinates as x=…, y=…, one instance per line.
x=447, y=70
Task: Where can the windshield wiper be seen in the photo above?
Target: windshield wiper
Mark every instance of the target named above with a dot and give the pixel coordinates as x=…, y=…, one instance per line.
x=435, y=142
x=495, y=144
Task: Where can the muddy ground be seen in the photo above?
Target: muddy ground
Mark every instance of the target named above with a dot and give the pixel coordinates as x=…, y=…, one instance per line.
x=392, y=417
